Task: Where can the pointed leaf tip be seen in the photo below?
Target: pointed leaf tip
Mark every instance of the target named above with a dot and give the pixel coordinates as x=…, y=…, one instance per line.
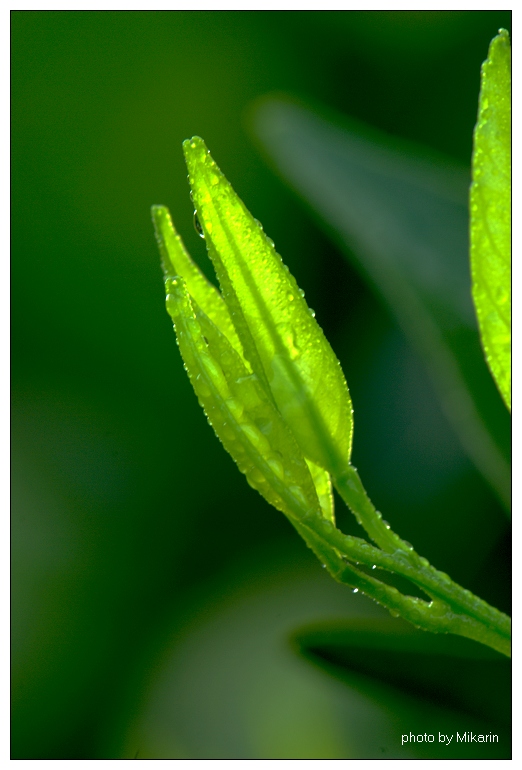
x=285, y=346
x=177, y=261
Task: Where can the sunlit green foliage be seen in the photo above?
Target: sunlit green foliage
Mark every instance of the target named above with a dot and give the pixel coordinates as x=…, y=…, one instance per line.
x=154, y=593
x=490, y=208
x=283, y=343
x=276, y=397
x=282, y=396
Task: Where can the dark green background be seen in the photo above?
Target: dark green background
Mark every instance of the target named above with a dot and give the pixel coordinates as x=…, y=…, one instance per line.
x=125, y=506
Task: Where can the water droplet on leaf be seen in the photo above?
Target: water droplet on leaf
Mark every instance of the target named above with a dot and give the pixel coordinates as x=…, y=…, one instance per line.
x=276, y=468
x=197, y=225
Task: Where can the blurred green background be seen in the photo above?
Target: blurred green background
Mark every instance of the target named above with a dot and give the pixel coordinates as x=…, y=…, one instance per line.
x=153, y=591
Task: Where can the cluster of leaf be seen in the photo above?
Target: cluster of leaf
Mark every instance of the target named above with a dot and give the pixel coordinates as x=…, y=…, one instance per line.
x=268, y=379
x=263, y=371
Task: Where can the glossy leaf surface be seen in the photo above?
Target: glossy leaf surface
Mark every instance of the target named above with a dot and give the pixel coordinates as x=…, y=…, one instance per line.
x=490, y=207
x=245, y=421
x=282, y=341
x=177, y=261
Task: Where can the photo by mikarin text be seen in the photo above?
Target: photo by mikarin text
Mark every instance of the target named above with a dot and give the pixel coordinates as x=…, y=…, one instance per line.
x=464, y=737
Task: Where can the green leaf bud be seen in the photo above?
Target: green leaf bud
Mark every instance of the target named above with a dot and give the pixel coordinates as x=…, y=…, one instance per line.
x=281, y=340
x=248, y=425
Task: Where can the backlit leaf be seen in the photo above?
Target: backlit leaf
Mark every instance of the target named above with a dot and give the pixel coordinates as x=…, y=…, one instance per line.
x=177, y=261
x=283, y=343
x=248, y=425
x=490, y=207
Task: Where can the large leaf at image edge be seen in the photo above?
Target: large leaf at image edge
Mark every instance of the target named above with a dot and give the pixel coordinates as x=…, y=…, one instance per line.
x=404, y=219
x=490, y=211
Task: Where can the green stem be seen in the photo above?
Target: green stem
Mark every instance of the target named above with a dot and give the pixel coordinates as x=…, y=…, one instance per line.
x=452, y=609
x=350, y=487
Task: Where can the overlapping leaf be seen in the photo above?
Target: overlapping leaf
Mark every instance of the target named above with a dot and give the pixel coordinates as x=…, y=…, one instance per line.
x=236, y=403
x=247, y=424
x=281, y=340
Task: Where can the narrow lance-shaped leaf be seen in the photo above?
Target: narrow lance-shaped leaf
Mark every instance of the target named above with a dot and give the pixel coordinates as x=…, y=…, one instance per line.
x=283, y=343
x=248, y=425
x=490, y=205
x=177, y=261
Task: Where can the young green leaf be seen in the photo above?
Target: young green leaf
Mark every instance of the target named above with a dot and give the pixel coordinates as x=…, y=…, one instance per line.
x=283, y=343
x=248, y=425
x=275, y=446
x=490, y=205
x=177, y=261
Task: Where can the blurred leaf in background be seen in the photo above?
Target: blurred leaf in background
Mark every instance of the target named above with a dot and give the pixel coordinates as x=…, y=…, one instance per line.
x=125, y=509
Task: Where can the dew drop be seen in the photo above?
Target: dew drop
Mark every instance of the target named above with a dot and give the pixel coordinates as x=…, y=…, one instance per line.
x=202, y=388
x=256, y=476
x=276, y=468
x=235, y=407
x=297, y=492
x=312, y=312
x=301, y=292
x=374, y=566
x=197, y=225
x=255, y=437
x=355, y=591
